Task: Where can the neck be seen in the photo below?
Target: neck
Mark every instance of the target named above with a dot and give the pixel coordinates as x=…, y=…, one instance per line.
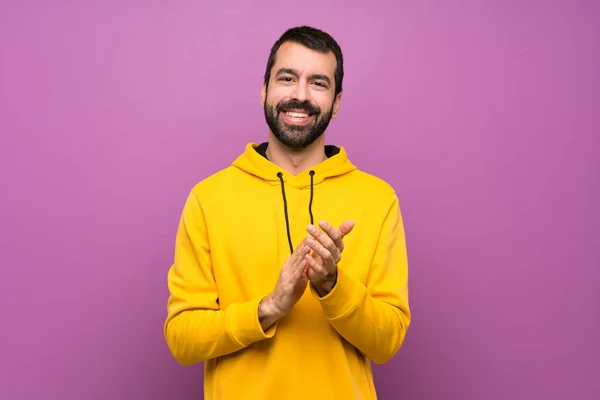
x=295, y=161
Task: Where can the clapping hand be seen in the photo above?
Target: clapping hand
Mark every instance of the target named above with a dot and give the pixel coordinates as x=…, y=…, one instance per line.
x=289, y=288
x=314, y=260
x=326, y=252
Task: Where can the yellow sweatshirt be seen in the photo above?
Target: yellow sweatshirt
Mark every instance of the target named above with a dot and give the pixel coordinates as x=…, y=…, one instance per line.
x=230, y=246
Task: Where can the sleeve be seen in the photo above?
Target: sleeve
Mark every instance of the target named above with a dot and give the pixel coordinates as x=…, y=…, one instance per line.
x=374, y=318
x=196, y=329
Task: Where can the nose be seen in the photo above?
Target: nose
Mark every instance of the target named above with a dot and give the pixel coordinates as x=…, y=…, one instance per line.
x=301, y=92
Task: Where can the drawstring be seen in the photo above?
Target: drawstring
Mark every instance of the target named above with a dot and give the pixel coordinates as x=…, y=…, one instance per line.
x=287, y=220
x=312, y=173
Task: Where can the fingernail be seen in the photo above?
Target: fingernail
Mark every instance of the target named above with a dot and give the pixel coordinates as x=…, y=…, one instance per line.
x=311, y=228
x=310, y=241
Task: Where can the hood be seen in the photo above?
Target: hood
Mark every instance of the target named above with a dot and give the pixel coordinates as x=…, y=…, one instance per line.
x=254, y=161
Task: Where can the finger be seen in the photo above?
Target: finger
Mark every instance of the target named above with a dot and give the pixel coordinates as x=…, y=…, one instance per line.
x=312, y=275
x=334, y=234
x=302, y=252
x=323, y=238
x=321, y=251
x=305, y=271
x=315, y=256
x=301, y=247
x=299, y=272
x=314, y=268
x=311, y=262
x=346, y=227
x=296, y=258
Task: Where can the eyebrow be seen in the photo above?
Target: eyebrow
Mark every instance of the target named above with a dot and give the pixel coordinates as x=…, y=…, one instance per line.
x=313, y=76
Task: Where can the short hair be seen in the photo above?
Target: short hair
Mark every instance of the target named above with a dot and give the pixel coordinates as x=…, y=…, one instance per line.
x=314, y=39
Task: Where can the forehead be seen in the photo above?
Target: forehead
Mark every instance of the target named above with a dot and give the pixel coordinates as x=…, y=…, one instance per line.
x=304, y=60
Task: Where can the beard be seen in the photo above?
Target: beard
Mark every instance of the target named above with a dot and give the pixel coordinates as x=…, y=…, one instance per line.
x=296, y=136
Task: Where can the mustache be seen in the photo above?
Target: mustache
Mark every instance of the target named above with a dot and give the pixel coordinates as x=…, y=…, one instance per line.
x=296, y=105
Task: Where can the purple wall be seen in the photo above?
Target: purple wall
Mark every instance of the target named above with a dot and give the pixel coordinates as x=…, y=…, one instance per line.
x=483, y=115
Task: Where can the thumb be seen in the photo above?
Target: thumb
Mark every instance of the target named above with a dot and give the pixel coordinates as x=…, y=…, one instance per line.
x=346, y=227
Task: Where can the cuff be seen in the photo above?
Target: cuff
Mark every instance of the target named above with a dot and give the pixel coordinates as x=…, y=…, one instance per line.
x=342, y=299
x=243, y=324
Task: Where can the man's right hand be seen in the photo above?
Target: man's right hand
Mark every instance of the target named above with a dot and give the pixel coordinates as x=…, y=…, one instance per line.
x=289, y=289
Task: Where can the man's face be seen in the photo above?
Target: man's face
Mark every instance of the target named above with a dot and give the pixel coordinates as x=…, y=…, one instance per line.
x=300, y=99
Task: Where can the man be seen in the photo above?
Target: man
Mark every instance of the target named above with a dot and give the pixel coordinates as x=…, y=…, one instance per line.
x=290, y=270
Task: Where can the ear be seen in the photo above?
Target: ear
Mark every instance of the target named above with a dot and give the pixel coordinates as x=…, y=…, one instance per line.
x=263, y=95
x=336, y=105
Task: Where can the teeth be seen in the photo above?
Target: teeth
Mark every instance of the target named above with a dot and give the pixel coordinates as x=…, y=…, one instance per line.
x=297, y=115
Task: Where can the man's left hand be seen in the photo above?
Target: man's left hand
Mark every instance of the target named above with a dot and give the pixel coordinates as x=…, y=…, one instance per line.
x=327, y=246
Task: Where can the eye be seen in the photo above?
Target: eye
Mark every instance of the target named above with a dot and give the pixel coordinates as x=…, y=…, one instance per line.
x=285, y=79
x=321, y=84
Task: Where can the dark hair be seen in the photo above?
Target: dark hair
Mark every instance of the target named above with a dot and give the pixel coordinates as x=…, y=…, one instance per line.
x=314, y=39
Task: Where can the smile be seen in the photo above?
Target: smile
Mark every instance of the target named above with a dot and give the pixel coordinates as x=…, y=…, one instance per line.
x=296, y=118
x=296, y=114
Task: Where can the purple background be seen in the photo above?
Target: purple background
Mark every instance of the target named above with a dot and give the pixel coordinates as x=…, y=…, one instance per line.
x=484, y=115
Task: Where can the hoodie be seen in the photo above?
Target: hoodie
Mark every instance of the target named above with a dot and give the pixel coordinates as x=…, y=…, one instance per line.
x=237, y=228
